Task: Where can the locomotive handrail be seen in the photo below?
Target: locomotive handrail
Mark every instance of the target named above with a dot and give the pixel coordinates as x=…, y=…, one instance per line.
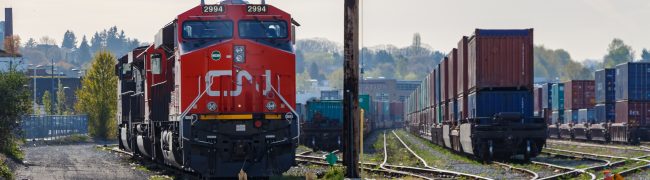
x=290, y=108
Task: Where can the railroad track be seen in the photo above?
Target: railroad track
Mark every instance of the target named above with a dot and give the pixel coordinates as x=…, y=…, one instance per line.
x=177, y=173
x=622, y=162
x=640, y=148
x=432, y=170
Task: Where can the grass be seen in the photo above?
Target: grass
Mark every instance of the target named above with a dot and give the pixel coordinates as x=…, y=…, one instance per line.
x=600, y=150
x=160, y=177
x=430, y=158
x=75, y=138
x=398, y=154
x=335, y=172
x=5, y=172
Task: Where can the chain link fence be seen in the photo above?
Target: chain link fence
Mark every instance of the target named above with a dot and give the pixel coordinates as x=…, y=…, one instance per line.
x=50, y=127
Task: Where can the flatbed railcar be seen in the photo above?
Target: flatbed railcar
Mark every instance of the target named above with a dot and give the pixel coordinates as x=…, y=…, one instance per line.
x=215, y=94
x=489, y=115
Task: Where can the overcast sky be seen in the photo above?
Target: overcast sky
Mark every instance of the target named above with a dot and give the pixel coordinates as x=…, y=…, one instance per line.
x=582, y=27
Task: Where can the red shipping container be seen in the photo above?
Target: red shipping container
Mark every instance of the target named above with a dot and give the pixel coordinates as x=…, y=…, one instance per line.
x=432, y=86
x=443, y=79
x=501, y=59
x=461, y=72
x=633, y=113
x=396, y=109
x=579, y=94
x=452, y=66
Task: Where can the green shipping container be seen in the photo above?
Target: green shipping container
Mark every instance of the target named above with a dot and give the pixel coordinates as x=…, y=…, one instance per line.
x=364, y=102
x=325, y=113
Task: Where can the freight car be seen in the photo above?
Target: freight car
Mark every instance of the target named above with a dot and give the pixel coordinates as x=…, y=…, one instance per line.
x=322, y=126
x=479, y=99
x=621, y=113
x=215, y=93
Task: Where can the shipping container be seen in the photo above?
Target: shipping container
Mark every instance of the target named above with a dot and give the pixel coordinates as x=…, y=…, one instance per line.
x=605, y=112
x=579, y=94
x=432, y=87
x=485, y=104
x=462, y=107
x=633, y=81
x=397, y=110
x=451, y=75
x=364, y=103
x=453, y=110
x=586, y=116
x=547, y=95
x=571, y=116
x=633, y=113
x=444, y=79
x=461, y=72
x=324, y=113
x=605, y=86
x=558, y=97
x=538, y=101
x=500, y=59
x=558, y=117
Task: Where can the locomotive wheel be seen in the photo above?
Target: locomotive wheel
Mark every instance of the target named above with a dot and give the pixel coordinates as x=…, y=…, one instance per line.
x=486, y=153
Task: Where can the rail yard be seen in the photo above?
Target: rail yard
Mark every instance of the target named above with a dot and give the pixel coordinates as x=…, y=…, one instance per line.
x=228, y=90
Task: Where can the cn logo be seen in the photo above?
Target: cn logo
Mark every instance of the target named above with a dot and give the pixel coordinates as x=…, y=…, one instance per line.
x=241, y=75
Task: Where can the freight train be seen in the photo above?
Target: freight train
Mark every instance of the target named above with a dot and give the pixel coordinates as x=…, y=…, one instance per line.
x=215, y=94
x=322, y=125
x=479, y=99
x=619, y=100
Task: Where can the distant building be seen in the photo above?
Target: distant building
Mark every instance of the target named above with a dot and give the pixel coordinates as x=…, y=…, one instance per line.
x=387, y=89
x=2, y=35
x=46, y=81
x=331, y=95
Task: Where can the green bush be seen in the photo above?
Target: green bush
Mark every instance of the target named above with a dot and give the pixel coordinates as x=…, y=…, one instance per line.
x=98, y=97
x=334, y=173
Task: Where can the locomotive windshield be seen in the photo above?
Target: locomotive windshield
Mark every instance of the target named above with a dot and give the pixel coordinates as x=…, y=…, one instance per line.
x=272, y=33
x=198, y=34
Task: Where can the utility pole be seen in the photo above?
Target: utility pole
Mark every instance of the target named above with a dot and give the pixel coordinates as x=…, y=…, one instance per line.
x=351, y=89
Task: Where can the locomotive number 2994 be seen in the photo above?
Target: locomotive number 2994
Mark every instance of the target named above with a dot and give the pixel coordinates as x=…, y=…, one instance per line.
x=256, y=9
x=214, y=9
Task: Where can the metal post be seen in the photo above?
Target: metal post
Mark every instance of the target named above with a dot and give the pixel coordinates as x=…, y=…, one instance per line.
x=351, y=89
x=52, y=88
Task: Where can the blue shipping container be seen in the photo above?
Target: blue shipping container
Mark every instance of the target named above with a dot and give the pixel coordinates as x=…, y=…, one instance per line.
x=558, y=97
x=571, y=116
x=605, y=86
x=484, y=104
x=557, y=117
x=325, y=113
x=605, y=112
x=633, y=81
x=586, y=115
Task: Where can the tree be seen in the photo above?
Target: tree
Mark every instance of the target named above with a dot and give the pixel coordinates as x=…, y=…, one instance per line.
x=69, y=40
x=97, y=43
x=618, y=52
x=60, y=99
x=645, y=55
x=47, y=103
x=12, y=44
x=314, y=72
x=300, y=61
x=46, y=40
x=97, y=96
x=31, y=43
x=15, y=103
x=84, y=50
x=335, y=79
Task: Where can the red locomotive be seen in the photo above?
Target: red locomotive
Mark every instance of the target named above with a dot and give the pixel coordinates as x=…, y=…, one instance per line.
x=215, y=93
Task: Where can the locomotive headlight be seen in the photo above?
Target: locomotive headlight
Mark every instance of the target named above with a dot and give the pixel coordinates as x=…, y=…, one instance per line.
x=270, y=105
x=240, y=54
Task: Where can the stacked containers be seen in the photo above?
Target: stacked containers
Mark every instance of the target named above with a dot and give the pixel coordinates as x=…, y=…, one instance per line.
x=453, y=81
x=578, y=94
x=633, y=93
x=605, y=95
x=547, y=101
x=500, y=73
x=438, y=96
x=461, y=86
x=557, y=98
x=586, y=116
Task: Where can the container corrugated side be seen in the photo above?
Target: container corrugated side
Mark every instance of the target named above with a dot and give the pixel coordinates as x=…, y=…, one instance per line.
x=571, y=116
x=605, y=112
x=500, y=59
x=325, y=112
x=547, y=96
x=633, y=81
x=485, y=104
x=558, y=97
x=461, y=71
x=605, y=86
x=586, y=115
x=451, y=75
x=633, y=113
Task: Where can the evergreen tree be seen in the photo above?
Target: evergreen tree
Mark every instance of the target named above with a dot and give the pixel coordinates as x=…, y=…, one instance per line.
x=97, y=43
x=47, y=103
x=97, y=96
x=31, y=43
x=69, y=40
x=60, y=100
x=645, y=55
x=84, y=51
